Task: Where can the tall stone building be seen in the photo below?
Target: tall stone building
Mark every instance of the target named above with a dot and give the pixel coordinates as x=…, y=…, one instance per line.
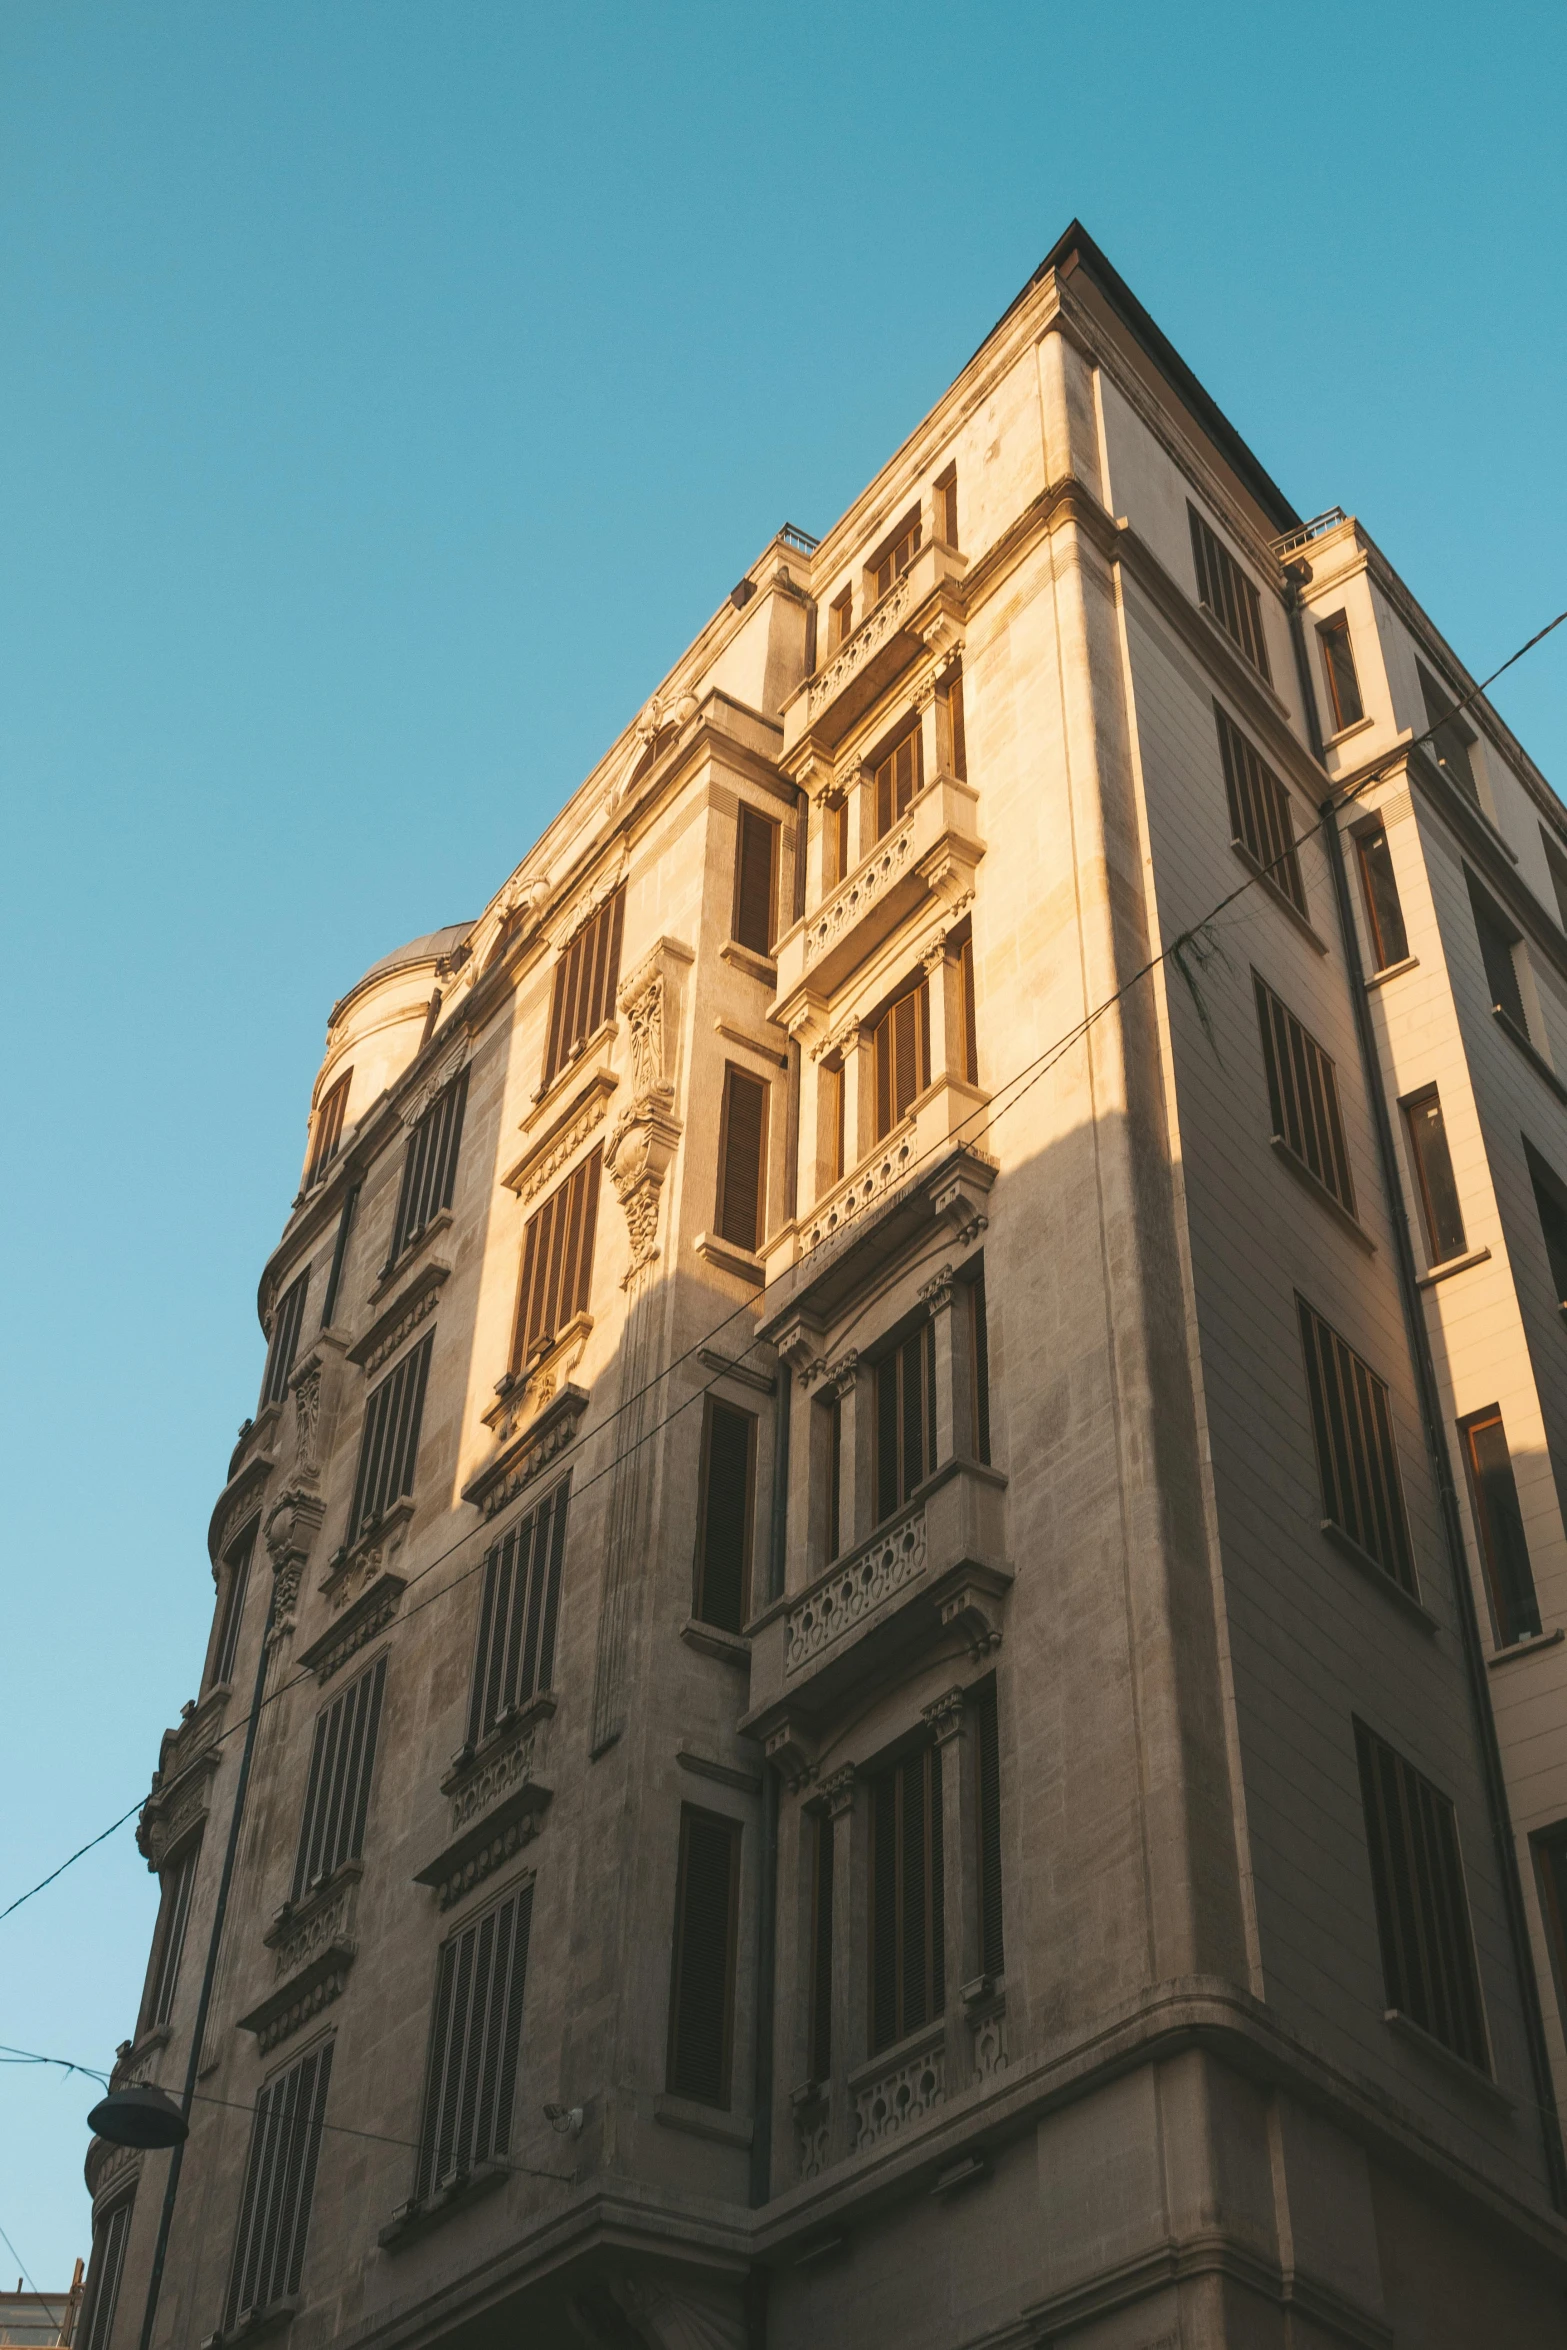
x=901, y=1532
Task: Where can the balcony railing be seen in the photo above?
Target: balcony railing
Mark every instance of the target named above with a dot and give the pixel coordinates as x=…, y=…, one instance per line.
x=1317, y=528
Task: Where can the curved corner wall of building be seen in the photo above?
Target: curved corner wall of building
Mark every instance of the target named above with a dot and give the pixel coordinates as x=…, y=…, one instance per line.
x=375, y=1030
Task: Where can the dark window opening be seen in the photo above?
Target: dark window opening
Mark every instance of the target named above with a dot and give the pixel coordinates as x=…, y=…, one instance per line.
x=900, y=1044
x=742, y=1160
x=1303, y=1097
x=1450, y=737
x=1261, y=819
x=951, y=734
x=1357, y=1452
x=430, y=1165
x=889, y=566
x=1439, y=1204
x=835, y=1520
x=389, y=1447
x=1379, y=885
x=946, y=487
x=702, y=1987
x=287, y=1318
x=987, y=1788
x=557, y=1261
x=328, y=1135
x=1504, y=1551
x=1224, y=590
x=1498, y=944
x=979, y=1341
x=475, y=2036
x=1550, y=1200
x=1338, y=662
x=1428, y=1961
x=821, y=1949
x=907, y=1951
x=1556, y=861
x=179, y=1883
x=905, y=1419
x=515, y=1658
x=583, y=996
x=756, y=880
x=103, y=2285
x=724, y=1514
x=1549, y=1846
x=970, y=1021
x=237, y=1567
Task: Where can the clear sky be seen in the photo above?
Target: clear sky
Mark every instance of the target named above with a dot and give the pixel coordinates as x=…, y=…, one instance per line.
x=388, y=393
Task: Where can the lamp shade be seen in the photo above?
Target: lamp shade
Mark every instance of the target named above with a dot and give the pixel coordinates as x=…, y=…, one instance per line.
x=140, y=2116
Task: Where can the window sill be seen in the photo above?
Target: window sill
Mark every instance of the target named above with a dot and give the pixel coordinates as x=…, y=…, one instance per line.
x=754, y=966
x=1347, y=733
x=1459, y=2066
x=1525, y=1647
x=572, y=1066
x=1392, y=971
x=1279, y=895
x=1448, y=1266
x=1321, y=1194
x=729, y=1257
x=374, y=1544
x=288, y=1921
x=730, y=1648
x=1378, y=1574
x=391, y=1274
x=701, y=2121
x=408, y=1309
x=413, y=2219
x=1535, y=1058
x=270, y=2320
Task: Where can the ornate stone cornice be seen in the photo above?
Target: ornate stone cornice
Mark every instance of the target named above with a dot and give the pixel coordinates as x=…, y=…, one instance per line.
x=411, y=1306
x=239, y=1500
x=541, y=1443
x=355, y=1628
x=544, y=1159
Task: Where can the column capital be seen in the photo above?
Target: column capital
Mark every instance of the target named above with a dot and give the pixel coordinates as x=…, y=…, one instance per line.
x=937, y=1292
x=837, y=1790
x=945, y=1716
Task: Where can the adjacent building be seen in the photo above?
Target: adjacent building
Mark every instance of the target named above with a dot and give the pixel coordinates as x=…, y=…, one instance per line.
x=902, y=1540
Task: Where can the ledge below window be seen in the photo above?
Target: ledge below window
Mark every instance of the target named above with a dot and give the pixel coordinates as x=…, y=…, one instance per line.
x=271, y=2320
x=701, y=2121
x=390, y=1274
x=754, y=966
x=1536, y=1059
x=1280, y=895
x=414, y=2218
x=1392, y=971
x=1525, y=1647
x=1376, y=1573
x=1321, y=1194
x=1451, y=2062
x=730, y=1648
x=1451, y=1265
x=730, y=1257
x=479, y=1851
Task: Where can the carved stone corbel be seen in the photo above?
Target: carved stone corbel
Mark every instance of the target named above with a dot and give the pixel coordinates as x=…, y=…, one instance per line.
x=290, y=1529
x=637, y=1157
x=799, y=1341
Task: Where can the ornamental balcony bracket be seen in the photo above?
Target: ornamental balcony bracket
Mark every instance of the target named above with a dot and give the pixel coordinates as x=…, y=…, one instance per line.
x=924, y=607
x=300, y=2000
x=886, y=1207
x=488, y=1845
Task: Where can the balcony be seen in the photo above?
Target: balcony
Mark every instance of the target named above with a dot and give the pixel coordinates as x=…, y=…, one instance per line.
x=923, y=607
x=930, y=853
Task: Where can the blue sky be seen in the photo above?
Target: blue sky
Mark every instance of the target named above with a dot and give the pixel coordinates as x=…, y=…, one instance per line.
x=388, y=393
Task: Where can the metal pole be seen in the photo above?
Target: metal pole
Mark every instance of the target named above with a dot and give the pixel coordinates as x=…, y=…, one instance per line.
x=199, y=2032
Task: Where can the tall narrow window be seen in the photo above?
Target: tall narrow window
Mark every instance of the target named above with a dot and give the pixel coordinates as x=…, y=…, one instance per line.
x=897, y=778
x=830, y=1140
x=1303, y=1097
x=103, y=2285
x=1379, y=886
x=979, y=1340
x=1498, y=952
x=724, y=1512
x=894, y=559
x=1224, y=590
x=702, y=1985
x=236, y=1567
x=742, y=1159
x=280, y=2180
x=430, y=1165
x=836, y=823
x=947, y=506
x=1338, y=664
x=475, y=2035
x=283, y=1345
x=1439, y=1206
x=1357, y=1453
x=1450, y=737
x=834, y=1410
x=557, y=1261
x=328, y=1131
x=756, y=880
x=951, y=736
x=900, y=1043
x=1556, y=863
x=1261, y=820
x=337, y=1793
x=518, y=1614
x=1550, y=1200
x=389, y=1447
x=1504, y=1553
x=179, y=1882
x=970, y=1021
x=842, y=617
x=1550, y=1868
x=821, y=1947
x=907, y=1956
x=905, y=1419
x=1417, y=1878
x=987, y=1789
x=585, y=979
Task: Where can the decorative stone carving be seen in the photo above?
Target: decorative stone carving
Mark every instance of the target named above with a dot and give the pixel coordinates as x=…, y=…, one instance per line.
x=841, y=1375
x=644, y=1010
x=944, y=1719
x=238, y=1502
x=297, y=2002
x=540, y=1165
x=637, y=1156
x=889, y=2102
x=868, y=638
x=289, y=1530
x=937, y=1292
x=791, y=1755
x=303, y=1931
x=353, y=1571
x=182, y=1782
x=581, y=909
x=546, y=1437
x=498, y=1769
x=890, y=860
x=354, y=1629
x=501, y=1832
x=855, y=1589
x=686, y=2315
x=838, y=1790
x=970, y=1611
x=307, y=1418
x=407, y=1310
x=810, y=2139
x=867, y=1186
x=988, y=2020
x=412, y=1108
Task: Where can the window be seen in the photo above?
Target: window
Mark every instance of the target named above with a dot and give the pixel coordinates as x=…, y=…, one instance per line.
x=1556, y=861
x=237, y=1568
x=834, y=1410
x=702, y=1989
x=328, y=1133
x=174, y=1915
x=585, y=980
x=1303, y=1097
x=841, y=615
x=1550, y=1869
x=280, y=2178
x=979, y=1340
x=1261, y=820
x=835, y=823
x=475, y=2036
x=1224, y=590
x=1417, y=1879
x=287, y=1316
x=1338, y=663
x=430, y=1167
x=1357, y=1454
x=905, y=1419
x=1439, y=1206
x=820, y=2060
x=1450, y=737
x=946, y=487
x=900, y=1042
x=725, y=1511
x=965, y=959
x=831, y=1138
x=389, y=1448
x=742, y=1159
x=1504, y=1553
x=1384, y=914
x=756, y=880
x=518, y=1615
x=103, y=2286
x=908, y=1970
x=1550, y=1199
x=337, y=1793
x=895, y=557
x=987, y=1790
x=557, y=1261
x=1498, y=940
x=951, y=739
x=896, y=778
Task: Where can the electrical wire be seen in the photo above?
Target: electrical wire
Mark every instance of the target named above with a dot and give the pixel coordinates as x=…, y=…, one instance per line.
x=986, y=1114
x=56, y=2317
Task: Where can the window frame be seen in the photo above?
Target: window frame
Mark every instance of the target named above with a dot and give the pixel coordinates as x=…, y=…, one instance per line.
x=1343, y=1476
x=734, y=1072
x=905, y=539
x=259, y=2219
x=111, y=2232
x=402, y=1428
x=916, y=985
x=1222, y=580
x=926, y=1755
x=1396, y=1894
x=326, y=1130
x=1492, y=1536
x=1311, y=1095
x=712, y=1405
x=430, y=1162
x=518, y=1631
x=589, y=999
x=1420, y=1154
x=747, y=820
x=677, y=2083
x=890, y=1372
x=1366, y=838
x=1335, y=631
x=501, y=2027
x=538, y=1234
x=334, y=1816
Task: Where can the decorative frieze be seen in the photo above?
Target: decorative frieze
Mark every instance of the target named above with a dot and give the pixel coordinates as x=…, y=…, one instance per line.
x=355, y=1628
x=498, y=1769
x=108, y=2167
x=868, y=1186
x=297, y=2002
x=238, y=1502
x=855, y=1588
x=303, y=1932
x=360, y=1567
x=500, y=1834
x=889, y=2101
x=546, y=1158
x=402, y=1317
x=848, y=903
x=413, y=1106
x=541, y=1443
x=182, y=1782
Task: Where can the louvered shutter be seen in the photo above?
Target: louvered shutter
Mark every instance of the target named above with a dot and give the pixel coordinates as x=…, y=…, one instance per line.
x=287, y=1319
x=1428, y=1959
x=237, y=1565
x=992, y=1950
x=586, y=976
x=557, y=1260
x=755, y=880
x=103, y=2291
x=476, y=2034
x=908, y=1891
x=337, y=1792
x=389, y=1447
x=702, y=1990
x=744, y=1134
x=518, y=1615
x=178, y=1887
x=821, y=1951
x=725, y=1537
x=280, y=2175
x=430, y=1164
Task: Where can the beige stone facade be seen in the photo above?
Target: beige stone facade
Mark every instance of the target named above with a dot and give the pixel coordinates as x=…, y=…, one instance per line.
x=941, y=1862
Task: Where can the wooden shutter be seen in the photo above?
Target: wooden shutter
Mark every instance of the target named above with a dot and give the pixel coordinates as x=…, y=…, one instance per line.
x=389, y=1447
x=1504, y=1548
x=557, y=1260
x=905, y=1419
x=701, y=1999
x=979, y=1333
x=476, y=2033
x=518, y=1614
x=743, y=1145
x=337, y=1793
x=287, y=1318
x=1338, y=661
x=987, y=1778
x=1428, y=1961
x=1303, y=1096
x=586, y=976
x=726, y=1507
x=178, y=1885
x=756, y=880
x=280, y=2177
x=821, y=1950
x=430, y=1164
x=907, y=1955
x=970, y=1016
x=1225, y=591
x=1357, y=1455
x=897, y=778
x=328, y=1129
x=237, y=1566
x=1261, y=818
x=901, y=1046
